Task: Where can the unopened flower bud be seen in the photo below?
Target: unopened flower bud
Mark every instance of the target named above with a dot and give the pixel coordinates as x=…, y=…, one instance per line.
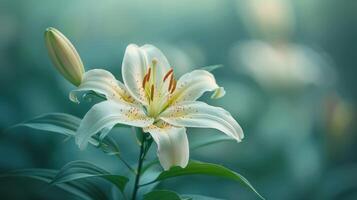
x=64, y=56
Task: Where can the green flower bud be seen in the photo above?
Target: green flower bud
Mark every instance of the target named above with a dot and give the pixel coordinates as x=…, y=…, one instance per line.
x=64, y=56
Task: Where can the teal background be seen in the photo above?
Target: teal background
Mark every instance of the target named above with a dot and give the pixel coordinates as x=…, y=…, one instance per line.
x=298, y=110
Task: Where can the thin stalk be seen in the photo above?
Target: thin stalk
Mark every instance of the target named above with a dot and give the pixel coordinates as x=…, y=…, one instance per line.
x=138, y=171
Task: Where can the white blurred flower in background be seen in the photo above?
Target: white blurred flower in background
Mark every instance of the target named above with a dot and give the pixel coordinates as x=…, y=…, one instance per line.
x=270, y=19
x=271, y=59
x=282, y=66
x=294, y=77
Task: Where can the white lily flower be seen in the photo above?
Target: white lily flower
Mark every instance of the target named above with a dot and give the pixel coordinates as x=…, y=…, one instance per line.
x=152, y=99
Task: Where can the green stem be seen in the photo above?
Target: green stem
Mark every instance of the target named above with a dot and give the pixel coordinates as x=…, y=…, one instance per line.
x=143, y=150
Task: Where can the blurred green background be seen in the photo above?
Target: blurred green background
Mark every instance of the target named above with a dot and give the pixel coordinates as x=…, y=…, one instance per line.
x=289, y=72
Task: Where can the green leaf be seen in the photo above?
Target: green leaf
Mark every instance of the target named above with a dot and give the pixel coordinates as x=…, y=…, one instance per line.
x=201, y=168
x=45, y=175
x=61, y=123
x=54, y=122
x=198, y=197
x=171, y=195
x=83, y=189
x=209, y=140
x=211, y=68
x=67, y=125
x=77, y=170
x=162, y=195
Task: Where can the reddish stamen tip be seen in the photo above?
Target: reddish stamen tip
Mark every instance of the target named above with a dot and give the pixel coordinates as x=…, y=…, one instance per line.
x=168, y=74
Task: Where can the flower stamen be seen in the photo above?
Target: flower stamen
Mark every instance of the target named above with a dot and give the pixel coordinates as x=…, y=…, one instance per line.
x=173, y=86
x=146, y=77
x=168, y=74
x=148, y=74
x=152, y=92
x=171, y=81
x=144, y=81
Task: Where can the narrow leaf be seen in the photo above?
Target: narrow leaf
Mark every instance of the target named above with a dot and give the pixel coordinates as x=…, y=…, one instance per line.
x=211, y=68
x=171, y=195
x=77, y=170
x=197, y=197
x=210, y=140
x=54, y=122
x=201, y=168
x=83, y=189
x=67, y=125
x=162, y=195
x=61, y=123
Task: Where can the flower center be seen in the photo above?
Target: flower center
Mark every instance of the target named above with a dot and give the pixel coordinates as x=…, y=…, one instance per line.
x=158, y=92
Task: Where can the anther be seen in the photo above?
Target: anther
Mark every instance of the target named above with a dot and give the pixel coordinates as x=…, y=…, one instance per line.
x=144, y=81
x=168, y=74
x=148, y=74
x=152, y=92
x=173, y=86
x=171, y=81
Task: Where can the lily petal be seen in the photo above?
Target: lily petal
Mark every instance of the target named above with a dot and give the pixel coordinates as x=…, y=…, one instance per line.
x=104, y=115
x=218, y=93
x=136, y=63
x=153, y=53
x=202, y=115
x=192, y=85
x=172, y=143
x=104, y=83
